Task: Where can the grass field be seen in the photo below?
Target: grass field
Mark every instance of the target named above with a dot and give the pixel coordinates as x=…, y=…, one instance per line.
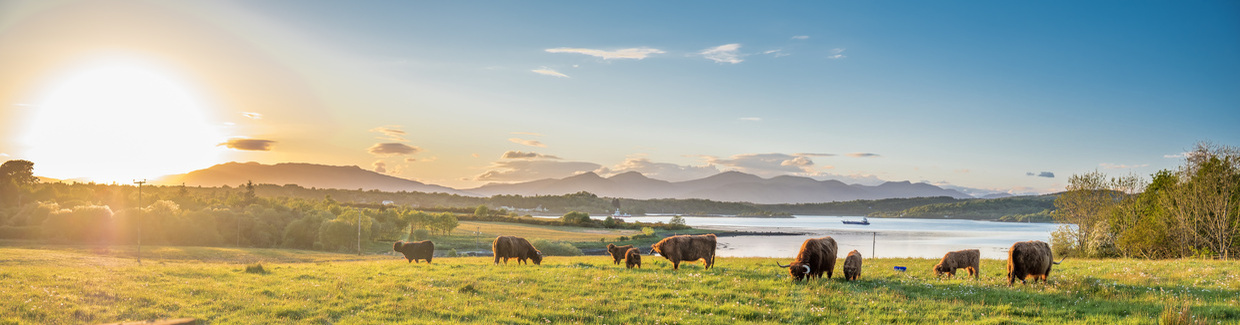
x=74, y=285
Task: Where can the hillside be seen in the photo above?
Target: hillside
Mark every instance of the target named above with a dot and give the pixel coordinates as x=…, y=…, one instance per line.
x=305, y=175
x=979, y=209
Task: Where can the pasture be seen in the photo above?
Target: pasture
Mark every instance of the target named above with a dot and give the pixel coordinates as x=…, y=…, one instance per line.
x=76, y=284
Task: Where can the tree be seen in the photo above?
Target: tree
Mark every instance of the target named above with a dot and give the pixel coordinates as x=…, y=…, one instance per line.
x=1086, y=204
x=677, y=221
x=482, y=211
x=15, y=176
x=1205, y=204
x=575, y=217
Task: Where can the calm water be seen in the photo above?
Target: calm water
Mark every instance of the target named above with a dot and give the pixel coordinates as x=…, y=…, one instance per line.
x=906, y=237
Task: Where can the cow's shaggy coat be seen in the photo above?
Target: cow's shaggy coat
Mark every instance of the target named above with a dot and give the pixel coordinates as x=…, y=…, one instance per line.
x=1029, y=258
x=633, y=257
x=617, y=252
x=507, y=247
x=418, y=250
x=852, y=265
x=817, y=255
x=968, y=259
x=687, y=248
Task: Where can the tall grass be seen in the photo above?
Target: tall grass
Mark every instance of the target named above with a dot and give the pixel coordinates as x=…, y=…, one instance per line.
x=65, y=285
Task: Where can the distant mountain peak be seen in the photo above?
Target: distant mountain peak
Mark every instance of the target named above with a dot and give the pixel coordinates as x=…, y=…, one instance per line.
x=303, y=174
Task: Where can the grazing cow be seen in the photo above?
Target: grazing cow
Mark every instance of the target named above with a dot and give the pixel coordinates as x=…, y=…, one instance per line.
x=687, y=248
x=618, y=252
x=633, y=257
x=419, y=250
x=1030, y=258
x=507, y=247
x=852, y=265
x=817, y=255
x=968, y=259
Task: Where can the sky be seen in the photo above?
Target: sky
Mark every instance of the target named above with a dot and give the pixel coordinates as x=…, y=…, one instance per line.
x=981, y=96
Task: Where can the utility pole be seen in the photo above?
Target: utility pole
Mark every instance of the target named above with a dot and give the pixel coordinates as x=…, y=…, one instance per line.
x=143, y=181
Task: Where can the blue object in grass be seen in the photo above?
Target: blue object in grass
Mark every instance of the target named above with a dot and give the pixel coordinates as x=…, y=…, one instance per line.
x=901, y=268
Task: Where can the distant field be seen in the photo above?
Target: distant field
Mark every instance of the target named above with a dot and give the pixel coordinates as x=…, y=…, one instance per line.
x=554, y=233
x=73, y=285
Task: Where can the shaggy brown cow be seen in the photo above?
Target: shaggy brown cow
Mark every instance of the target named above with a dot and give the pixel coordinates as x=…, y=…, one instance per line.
x=1028, y=258
x=618, y=252
x=817, y=255
x=507, y=247
x=633, y=257
x=852, y=265
x=968, y=259
x=419, y=250
x=687, y=248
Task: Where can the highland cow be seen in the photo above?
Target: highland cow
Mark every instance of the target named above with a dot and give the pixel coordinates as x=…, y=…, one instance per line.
x=852, y=265
x=633, y=257
x=687, y=248
x=420, y=250
x=1030, y=258
x=618, y=252
x=507, y=247
x=817, y=255
x=968, y=259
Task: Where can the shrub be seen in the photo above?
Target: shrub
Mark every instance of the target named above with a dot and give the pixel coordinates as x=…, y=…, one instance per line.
x=421, y=234
x=256, y=269
x=648, y=231
x=550, y=248
x=453, y=253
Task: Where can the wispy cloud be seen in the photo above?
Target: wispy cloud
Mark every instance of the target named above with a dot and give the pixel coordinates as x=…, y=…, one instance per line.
x=532, y=143
x=813, y=154
x=411, y=159
x=548, y=72
x=632, y=53
x=528, y=133
x=380, y=167
x=512, y=154
x=1042, y=174
x=252, y=115
x=248, y=144
x=393, y=149
x=863, y=155
x=1178, y=155
x=4, y=154
x=753, y=119
x=801, y=37
x=391, y=133
x=727, y=53
x=837, y=53
x=777, y=53
x=1121, y=166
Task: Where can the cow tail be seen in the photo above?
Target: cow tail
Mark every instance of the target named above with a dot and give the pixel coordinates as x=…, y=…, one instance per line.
x=1060, y=261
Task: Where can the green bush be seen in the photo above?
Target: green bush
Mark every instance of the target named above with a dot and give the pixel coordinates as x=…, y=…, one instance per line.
x=550, y=248
x=421, y=234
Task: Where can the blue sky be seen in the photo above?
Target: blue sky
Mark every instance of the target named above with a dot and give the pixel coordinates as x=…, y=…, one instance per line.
x=975, y=94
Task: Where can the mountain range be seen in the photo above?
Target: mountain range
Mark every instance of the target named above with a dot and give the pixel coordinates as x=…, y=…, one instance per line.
x=305, y=175
x=728, y=186
x=731, y=186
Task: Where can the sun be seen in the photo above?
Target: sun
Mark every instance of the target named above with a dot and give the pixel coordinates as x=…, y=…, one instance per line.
x=117, y=121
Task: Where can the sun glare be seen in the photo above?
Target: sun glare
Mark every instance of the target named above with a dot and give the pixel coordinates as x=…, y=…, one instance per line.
x=119, y=121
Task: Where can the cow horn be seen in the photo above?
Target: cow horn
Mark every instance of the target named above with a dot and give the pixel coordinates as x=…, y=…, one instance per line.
x=783, y=266
x=806, y=268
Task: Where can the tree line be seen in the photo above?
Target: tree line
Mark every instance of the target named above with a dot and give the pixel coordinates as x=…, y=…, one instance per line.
x=1193, y=211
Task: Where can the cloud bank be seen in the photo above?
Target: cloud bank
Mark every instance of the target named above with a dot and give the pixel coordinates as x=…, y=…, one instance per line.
x=532, y=143
x=512, y=154
x=662, y=171
x=528, y=170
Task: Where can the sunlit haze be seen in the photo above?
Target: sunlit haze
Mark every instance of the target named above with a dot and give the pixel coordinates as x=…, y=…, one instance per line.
x=979, y=96
x=114, y=121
